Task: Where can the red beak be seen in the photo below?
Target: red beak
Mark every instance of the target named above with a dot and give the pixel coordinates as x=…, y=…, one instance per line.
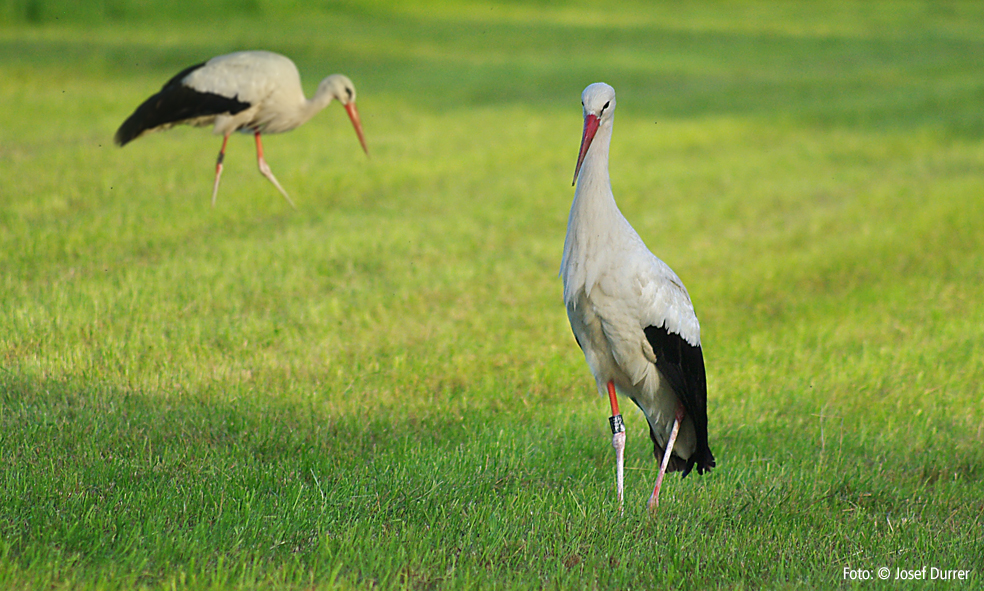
x=590, y=128
x=354, y=116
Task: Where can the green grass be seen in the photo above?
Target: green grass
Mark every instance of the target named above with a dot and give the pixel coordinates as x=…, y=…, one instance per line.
x=381, y=389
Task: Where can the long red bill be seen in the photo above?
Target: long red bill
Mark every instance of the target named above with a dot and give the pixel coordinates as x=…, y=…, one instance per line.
x=354, y=116
x=590, y=128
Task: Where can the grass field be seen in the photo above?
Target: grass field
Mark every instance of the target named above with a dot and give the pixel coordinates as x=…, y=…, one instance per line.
x=380, y=389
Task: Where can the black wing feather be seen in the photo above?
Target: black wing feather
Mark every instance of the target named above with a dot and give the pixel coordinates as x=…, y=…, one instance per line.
x=683, y=365
x=173, y=104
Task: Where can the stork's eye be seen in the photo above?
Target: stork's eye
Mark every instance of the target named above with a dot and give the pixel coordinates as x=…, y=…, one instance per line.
x=606, y=105
x=348, y=91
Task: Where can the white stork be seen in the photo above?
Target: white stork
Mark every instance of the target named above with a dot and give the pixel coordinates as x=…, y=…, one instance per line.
x=249, y=91
x=630, y=313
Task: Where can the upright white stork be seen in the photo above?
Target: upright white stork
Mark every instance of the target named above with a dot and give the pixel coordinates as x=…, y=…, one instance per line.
x=249, y=91
x=630, y=313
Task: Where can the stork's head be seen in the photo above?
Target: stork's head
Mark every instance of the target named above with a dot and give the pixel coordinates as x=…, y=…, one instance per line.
x=341, y=89
x=598, y=101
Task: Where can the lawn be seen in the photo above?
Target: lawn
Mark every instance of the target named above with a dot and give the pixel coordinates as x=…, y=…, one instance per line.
x=380, y=389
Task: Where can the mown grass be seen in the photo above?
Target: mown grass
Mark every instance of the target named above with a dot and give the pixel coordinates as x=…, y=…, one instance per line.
x=381, y=388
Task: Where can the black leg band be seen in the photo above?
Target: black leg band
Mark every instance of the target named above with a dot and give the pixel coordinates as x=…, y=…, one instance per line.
x=616, y=424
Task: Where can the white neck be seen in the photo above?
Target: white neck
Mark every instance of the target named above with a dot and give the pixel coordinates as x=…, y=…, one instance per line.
x=321, y=99
x=595, y=223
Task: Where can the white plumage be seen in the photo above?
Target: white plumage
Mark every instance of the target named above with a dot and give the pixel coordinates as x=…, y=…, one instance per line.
x=249, y=91
x=630, y=313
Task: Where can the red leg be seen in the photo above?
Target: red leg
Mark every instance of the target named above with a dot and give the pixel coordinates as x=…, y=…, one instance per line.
x=654, y=498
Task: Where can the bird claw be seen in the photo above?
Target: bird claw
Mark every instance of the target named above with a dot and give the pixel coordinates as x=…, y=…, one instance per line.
x=653, y=503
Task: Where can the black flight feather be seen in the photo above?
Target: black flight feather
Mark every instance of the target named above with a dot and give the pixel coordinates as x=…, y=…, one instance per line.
x=682, y=364
x=174, y=104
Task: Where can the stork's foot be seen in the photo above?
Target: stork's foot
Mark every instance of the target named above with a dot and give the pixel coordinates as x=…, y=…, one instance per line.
x=653, y=503
x=265, y=171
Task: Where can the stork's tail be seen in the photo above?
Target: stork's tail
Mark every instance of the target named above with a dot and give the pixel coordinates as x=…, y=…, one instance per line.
x=702, y=459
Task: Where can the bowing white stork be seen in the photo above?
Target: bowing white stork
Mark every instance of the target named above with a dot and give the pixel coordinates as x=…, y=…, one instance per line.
x=249, y=91
x=631, y=314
